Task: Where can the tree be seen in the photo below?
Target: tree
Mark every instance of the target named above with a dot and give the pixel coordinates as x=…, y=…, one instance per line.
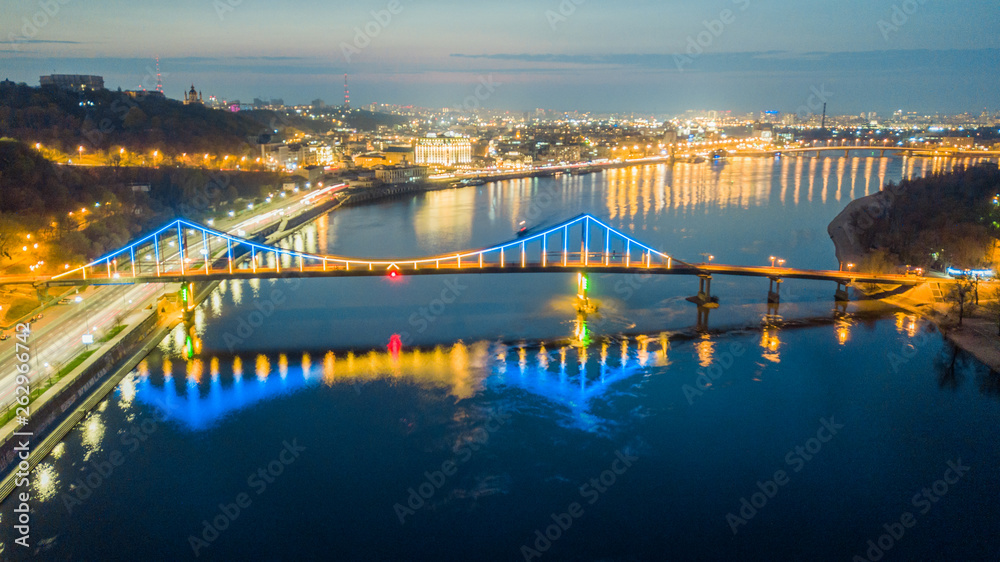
x=135, y=118
x=960, y=295
x=878, y=261
x=9, y=229
x=992, y=306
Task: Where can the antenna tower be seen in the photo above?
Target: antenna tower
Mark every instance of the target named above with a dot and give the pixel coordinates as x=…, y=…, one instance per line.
x=159, y=80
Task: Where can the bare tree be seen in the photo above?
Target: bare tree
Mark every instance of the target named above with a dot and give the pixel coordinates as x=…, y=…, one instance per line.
x=9, y=228
x=992, y=306
x=960, y=296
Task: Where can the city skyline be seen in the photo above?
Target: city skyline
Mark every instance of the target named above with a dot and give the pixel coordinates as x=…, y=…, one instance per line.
x=738, y=55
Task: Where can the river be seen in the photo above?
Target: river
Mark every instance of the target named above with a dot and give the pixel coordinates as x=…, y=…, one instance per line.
x=480, y=418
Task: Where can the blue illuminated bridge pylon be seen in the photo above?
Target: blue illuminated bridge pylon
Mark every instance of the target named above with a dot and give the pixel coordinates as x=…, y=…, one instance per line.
x=186, y=251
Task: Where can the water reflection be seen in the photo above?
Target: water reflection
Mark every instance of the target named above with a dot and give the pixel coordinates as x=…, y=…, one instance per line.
x=45, y=484
x=770, y=344
x=569, y=373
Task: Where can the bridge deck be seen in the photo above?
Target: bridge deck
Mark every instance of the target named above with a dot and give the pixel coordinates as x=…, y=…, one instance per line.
x=596, y=265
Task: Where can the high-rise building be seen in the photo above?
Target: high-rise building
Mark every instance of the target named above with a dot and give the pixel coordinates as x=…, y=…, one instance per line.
x=78, y=82
x=446, y=151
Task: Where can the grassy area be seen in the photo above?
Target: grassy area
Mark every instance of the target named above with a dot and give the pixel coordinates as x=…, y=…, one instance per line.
x=76, y=362
x=112, y=333
x=11, y=412
x=20, y=307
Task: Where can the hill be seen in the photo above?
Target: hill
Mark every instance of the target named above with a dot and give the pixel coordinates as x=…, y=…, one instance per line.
x=943, y=220
x=104, y=120
x=82, y=212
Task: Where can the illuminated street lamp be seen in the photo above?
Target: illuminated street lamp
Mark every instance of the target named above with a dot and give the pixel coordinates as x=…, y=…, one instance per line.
x=850, y=266
x=772, y=260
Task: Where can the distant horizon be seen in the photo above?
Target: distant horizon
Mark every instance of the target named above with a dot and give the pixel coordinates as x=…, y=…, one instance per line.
x=652, y=57
x=145, y=78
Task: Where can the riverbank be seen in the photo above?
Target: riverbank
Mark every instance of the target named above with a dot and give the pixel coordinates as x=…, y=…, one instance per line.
x=61, y=406
x=899, y=223
x=977, y=336
x=359, y=196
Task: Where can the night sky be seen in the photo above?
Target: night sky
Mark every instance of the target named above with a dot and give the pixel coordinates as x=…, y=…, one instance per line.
x=587, y=55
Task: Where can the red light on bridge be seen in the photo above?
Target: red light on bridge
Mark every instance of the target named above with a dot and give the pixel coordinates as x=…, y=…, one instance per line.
x=395, y=345
x=393, y=274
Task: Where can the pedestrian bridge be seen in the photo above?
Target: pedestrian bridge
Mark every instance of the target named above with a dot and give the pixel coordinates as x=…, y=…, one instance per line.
x=184, y=251
x=871, y=149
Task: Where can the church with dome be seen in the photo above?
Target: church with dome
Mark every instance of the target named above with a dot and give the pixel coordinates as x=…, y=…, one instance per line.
x=192, y=97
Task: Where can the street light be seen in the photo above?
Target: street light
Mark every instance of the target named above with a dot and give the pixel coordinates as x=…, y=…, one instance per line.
x=850, y=266
x=772, y=260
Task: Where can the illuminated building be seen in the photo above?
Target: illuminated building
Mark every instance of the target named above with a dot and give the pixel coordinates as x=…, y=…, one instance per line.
x=400, y=174
x=370, y=160
x=192, y=97
x=143, y=94
x=78, y=82
x=444, y=151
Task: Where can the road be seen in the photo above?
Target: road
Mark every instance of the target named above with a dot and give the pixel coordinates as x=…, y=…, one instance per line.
x=56, y=339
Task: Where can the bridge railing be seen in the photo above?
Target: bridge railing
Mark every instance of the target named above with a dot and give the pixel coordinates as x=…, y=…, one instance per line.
x=187, y=249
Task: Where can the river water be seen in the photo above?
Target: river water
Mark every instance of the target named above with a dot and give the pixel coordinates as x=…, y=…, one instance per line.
x=480, y=418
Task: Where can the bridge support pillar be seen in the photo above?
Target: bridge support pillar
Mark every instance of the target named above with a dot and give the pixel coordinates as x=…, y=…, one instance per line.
x=841, y=294
x=704, y=297
x=774, y=290
x=186, y=296
x=583, y=304
x=702, y=325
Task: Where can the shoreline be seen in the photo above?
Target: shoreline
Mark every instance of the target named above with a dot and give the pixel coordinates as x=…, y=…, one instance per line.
x=363, y=195
x=977, y=336
x=98, y=384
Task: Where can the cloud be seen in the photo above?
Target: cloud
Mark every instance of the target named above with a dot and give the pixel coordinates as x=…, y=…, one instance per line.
x=768, y=61
x=37, y=41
